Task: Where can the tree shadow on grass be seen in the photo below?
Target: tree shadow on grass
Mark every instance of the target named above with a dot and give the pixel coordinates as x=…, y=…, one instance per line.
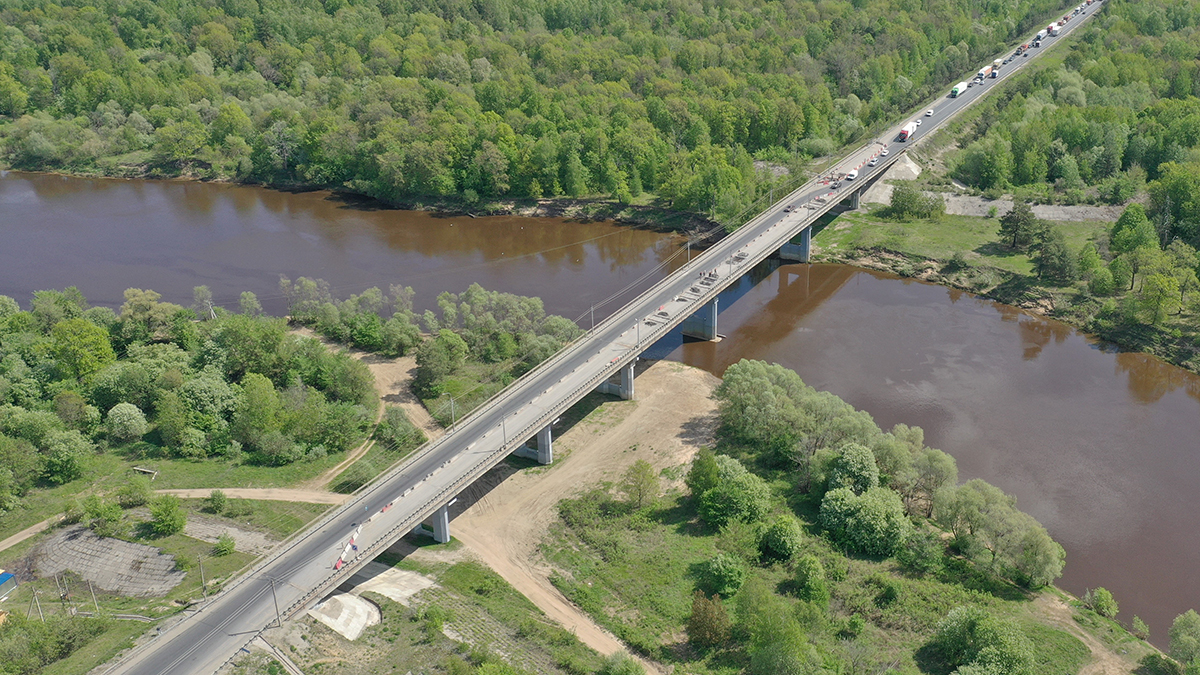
x=997, y=249
x=929, y=661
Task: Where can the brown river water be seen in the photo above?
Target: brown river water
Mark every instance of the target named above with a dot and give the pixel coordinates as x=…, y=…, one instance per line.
x=1102, y=447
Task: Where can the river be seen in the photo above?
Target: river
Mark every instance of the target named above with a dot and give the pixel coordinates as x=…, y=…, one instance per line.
x=1100, y=446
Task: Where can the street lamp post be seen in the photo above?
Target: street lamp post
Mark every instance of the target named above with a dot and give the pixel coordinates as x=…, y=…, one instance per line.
x=452, y=416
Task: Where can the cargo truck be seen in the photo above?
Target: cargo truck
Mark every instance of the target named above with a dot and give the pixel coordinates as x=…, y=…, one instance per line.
x=1056, y=30
x=908, y=131
x=958, y=89
x=996, y=67
x=983, y=72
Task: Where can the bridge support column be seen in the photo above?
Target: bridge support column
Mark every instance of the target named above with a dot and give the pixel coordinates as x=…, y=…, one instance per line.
x=854, y=197
x=542, y=452
x=441, y=525
x=625, y=389
x=798, y=252
x=703, y=324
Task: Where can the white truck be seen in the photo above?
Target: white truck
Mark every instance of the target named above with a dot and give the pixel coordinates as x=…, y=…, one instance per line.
x=958, y=89
x=907, y=131
x=1056, y=29
x=983, y=73
x=996, y=67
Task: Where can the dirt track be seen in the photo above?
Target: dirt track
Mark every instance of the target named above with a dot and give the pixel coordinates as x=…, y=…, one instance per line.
x=670, y=420
x=1104, y=660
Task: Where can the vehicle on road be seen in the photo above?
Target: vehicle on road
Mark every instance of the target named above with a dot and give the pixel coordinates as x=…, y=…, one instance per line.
x=958, y=89
x=929, y=113
x=917, y=121
x=971, y=84
x=883, y=152
x=787, y=209
x=996, y=68
x=983, y=73
x=907, y=132
x=852, y=175
x=837, y=185
x=874, y=161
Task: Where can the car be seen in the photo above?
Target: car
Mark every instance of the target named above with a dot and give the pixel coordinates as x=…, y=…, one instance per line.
x=837, y=185
x=874, y=161
x=883, y=152
x=970, y=84
x=1026, y=55
x=787, y=209
x=917, y=121
x=929, y=113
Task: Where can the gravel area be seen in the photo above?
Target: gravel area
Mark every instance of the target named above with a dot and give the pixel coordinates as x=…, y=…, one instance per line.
x=965, y=205
x=113, y=565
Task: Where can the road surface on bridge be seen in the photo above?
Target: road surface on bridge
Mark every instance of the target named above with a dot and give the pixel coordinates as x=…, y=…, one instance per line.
x=302, y=568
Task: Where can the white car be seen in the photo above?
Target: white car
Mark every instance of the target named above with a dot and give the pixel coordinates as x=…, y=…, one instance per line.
x=929, y=113
x=917, y=121
x=873, y=162
x=883, y=152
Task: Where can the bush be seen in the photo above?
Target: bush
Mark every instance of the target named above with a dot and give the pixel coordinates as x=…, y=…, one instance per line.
x=224, y=546
x=872, y=523
x=810, y=580
x=167, y=516
x=1102, y=602
x=921, y=553
x=744, y=497
x=854, y=468
x=104, y=517
x=1101, y=283
x=125, y=423
x=621, y=664
x=708, y=625
x=723, y=574
x=970, y=635
x=1185, y=637
x=782, y=540
x=397, y=433
x=216, y=502
x=135, y=492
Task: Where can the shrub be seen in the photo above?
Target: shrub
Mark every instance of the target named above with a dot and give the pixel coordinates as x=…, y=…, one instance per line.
x=970, y=635
x=621, y=664
x=396, y=431
x=104, y=517
x=782, y=540
x=921, y=553
x=224, y=546
x=872, y=523
x=709, y=625
x=854, y=468
x=135, y=492
x=125, y=423
x=1102, y=602
x=724, y=574
x=810, y=580
x=1185, y=637
x=1102, y=282
x=216, y=502
x=744, y=497
x=167, y=516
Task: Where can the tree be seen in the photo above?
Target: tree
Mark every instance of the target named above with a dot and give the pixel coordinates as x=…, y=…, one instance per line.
x=708, y=625
x=1121, y=272
x=782, y=539
x=1185, y=637
x=167, y=516
x=1101, y=601
x=258, y=410
x=1158, y=297
x=703, y=475
x=922, y=552
x=854, y=467
x=248, y=304
x=724, y=574
x=1054, y=260
x=1019, y=225
x=1102, y=282
x=1132, y=230
x=872, y=523
x=216, y=502
x=640, y=484
x=81, y=347
x=126, y=423
x=65, y=451
x=745, y=497
x=1139, y=628
x=810, y=580
x=436, y=360
x=970, y=635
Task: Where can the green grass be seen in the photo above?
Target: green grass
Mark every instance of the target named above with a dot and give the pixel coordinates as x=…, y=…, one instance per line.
x=118, y=636
x=940, y=239
x=1056, y=652
x=281, y=519
x=470, y=385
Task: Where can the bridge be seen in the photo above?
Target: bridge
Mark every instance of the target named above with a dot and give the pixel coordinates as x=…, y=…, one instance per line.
x=414, y=496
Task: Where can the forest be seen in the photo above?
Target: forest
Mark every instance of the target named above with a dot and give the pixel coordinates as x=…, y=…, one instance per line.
x=408, y=100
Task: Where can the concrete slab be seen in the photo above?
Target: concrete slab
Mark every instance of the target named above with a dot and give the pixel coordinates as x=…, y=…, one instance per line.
x=394, y=584
x=346, y=614
x=112, y=565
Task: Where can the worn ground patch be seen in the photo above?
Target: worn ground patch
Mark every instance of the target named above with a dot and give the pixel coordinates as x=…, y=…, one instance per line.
x=346, y=614
x=115, y=566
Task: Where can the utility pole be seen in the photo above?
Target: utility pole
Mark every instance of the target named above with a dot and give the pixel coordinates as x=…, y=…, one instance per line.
x=94, y=597
x=203, y=583
x=278, y=620
x=36, y=593
x=593, y=311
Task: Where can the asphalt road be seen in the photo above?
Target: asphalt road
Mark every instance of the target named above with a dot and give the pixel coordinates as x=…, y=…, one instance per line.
x=301, y=570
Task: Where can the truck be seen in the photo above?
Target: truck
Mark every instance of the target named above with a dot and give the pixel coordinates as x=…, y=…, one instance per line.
x=996, y=67
x=983, y=72
x=908, y=131
x=1040, y=36
x=958, y=89
x=1056, y=30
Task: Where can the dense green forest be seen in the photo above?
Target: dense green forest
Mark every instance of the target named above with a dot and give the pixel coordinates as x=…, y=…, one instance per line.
x=814, y=542
x=1120, y=111
x=405, y=99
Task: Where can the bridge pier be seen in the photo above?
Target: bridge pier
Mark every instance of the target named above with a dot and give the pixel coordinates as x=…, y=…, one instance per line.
x=798, y=252
x=703, y=324
x=543, y=452
x=625, y=389
x=441, y=526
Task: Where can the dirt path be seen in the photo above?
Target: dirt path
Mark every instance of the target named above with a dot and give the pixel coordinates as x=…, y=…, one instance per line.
x=392, y=377
x=1104, y=661
x=28, y=532
x=267, y=494
x=666, y=425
